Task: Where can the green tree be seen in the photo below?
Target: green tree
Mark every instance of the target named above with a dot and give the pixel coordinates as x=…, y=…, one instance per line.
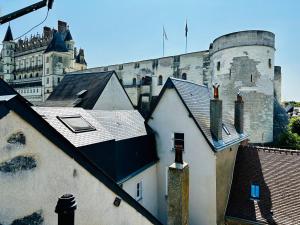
x=294, y=125
x=290, y=138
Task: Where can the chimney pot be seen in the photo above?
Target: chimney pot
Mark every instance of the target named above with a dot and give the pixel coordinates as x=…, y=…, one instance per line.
x=65, y=208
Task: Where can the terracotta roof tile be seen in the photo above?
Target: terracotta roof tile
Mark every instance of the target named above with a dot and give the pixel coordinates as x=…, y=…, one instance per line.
x=277, y=172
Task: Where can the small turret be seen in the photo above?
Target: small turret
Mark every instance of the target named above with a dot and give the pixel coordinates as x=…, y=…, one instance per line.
x=69, y=41
x=8, y=55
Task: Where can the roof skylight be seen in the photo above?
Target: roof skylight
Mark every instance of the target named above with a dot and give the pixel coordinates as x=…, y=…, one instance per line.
x=76, y=123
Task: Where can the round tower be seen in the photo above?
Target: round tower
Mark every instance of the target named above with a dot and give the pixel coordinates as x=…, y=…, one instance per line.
x=8, y=55
x=244, y=62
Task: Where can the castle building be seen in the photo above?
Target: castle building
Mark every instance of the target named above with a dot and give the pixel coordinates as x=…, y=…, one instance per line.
x=35, y=65
x=240, y=62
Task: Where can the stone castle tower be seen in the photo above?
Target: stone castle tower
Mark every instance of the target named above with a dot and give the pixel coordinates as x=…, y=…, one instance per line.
x=243, y=62
x=35, y=65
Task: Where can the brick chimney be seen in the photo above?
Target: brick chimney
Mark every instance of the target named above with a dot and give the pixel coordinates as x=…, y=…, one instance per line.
x=47, y=32
x=178, y=190
x=239, y=114
x=61, y=26
x=216, y=114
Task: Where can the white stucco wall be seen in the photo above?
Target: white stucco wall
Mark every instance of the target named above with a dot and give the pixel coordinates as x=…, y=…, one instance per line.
x=149, y=188
x=113, y=97
x=171, y=116
x=29, y=191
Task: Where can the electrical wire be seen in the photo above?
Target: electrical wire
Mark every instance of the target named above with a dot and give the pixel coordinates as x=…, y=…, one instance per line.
x=32, y=27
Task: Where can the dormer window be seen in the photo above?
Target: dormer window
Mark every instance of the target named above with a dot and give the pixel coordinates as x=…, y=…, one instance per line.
x=255, y=192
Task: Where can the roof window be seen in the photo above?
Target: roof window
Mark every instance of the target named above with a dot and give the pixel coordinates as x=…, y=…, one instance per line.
x=76, y=123
x=255, y=192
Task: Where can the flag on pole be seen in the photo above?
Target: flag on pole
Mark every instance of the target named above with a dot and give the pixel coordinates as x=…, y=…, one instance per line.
x=186, y=29
x=165, y=34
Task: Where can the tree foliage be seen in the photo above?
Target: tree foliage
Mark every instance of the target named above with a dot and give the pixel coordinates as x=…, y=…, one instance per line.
x=294, y=125
x=291, y=137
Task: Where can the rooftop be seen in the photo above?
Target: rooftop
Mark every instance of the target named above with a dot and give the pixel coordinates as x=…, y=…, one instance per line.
x=276, y=172
x=66, y=93
x=196, y=99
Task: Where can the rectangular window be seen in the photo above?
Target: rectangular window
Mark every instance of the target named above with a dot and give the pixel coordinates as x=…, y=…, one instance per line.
x=47, y=71
x=60, y=59
x=255, y=191
x=270, y=63
x=120, y=67
x=136, y=65
x=47, y=59
x=47, y=80
x=139, y=190
x=218, y=65
x=179, y=141
x=105, y=69
x=76, y=123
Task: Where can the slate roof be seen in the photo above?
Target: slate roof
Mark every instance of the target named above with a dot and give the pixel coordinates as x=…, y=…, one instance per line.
x=50, y=114
x=196, y=99
x=120, y=144
x=21, y=107
x=8, y=35
x=68, y=36
x=277, y=172
x=122, y=124
x=66, y=92
x=57, y=44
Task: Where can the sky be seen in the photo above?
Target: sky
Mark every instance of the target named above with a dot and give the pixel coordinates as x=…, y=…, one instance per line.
x=118, y=31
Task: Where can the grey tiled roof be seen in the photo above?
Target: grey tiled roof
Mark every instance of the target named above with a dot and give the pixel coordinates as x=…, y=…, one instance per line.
x=57, y=44
x=197, y=100
x=110, y=125
x=122, y=124
x=50, y=114
x=65, y=94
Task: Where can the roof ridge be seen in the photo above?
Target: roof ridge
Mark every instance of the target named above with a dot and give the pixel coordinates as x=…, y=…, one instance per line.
x=187, y=81
x=270, y=149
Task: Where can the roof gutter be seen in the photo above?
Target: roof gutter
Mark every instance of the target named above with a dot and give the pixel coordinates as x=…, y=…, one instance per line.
x=244, y=220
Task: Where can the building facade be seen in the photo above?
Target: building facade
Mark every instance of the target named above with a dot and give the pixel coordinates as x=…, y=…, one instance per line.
x=35, y=65
x=240, y=62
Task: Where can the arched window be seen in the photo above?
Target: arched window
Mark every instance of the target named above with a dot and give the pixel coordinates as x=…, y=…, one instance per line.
x=134, y=81
x=14, y=77
x=58, y=79
x=184, y=76
x=30, y=75
x=25, y=76
x=160, y=80
x=37, y=74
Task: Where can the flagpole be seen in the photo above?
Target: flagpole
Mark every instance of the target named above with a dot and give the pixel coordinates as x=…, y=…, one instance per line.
x=186, y=44
x=163, y=37
x=186, y=33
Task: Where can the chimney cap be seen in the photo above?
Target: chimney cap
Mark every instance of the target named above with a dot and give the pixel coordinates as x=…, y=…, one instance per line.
x=66, y=203
x=216, y=90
